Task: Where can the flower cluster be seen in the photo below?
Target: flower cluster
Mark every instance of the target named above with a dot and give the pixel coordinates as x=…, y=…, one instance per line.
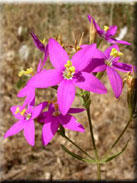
x=79, y=71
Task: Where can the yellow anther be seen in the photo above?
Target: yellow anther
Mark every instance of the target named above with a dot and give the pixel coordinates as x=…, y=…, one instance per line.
x=69, y=71
x=43, y=41
x=72, y=69
x=17, y=110
x=21, y=73
x=23, y=111
x=106, y=28
x=29, y=71
x=115, y=53
x=69, y=63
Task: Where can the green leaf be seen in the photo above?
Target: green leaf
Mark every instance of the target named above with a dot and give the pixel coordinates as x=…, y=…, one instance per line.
x=77, y=156
x=115, y=155
x=71, y=153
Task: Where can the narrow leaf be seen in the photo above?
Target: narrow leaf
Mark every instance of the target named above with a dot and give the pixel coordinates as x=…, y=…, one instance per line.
x=71, y=153
x=117, y=154
x=77, y=156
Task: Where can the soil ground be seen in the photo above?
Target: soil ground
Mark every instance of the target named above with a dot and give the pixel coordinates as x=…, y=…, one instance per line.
x=18, y=160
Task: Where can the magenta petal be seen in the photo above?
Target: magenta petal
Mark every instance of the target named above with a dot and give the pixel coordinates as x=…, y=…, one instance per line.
x=45, y=78
x=18, y=115
x=97, y=63
x=71, y=123
x=89, y=82
x=16, y=128
x=29, y=132
x=23, y=92
x=123, y=67
x=37, y=42
x=83, y=57
x=49, y=129
x=112, y=30
x=45, y=56
x=66, y=95
x=123, y=42
x=75, y=110
x=39, y=66
x=58, y=56
x=37, y=110
x=44, y=117
x=115, y=80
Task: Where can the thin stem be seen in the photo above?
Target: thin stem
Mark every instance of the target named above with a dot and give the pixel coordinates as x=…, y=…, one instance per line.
x=94, y=145
x=99, y=171
x=119, y=137
x=78, y=147
x=91, y=132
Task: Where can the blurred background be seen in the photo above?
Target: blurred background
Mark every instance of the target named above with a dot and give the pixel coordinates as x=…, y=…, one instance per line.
x=18, y=160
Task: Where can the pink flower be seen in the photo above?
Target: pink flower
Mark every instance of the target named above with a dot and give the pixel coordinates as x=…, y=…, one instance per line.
x=25, y=122
x=52, y=119
x=68, y=73
x=107, y=33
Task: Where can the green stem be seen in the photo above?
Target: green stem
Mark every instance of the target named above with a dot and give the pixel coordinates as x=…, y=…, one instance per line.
x=99, y=171
x=91, y=132
x=118, y=138
x=78, y=147
x=94, y=145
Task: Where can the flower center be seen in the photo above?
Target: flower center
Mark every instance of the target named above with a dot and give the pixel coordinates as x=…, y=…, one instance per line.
x=29, y=71
x=56, y=111
x=113, y=54
x=23, y=113
x=69, y=71
x=106, y=28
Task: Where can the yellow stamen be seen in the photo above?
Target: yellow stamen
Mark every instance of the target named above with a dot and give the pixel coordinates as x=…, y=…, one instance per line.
x=115, y=53
x=106, y=28
x=23, y=111
x=21, y=73
x=43, y=41
x=29, y=71
x=69, y=63
x=17, y=110
x=69, y=71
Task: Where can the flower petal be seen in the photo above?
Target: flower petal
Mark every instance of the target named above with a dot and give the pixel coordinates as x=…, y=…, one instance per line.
x=83, y=57
x=71, y=123
x=45, y=78
x=89, y=82
x=75, y=110
x=111, y=31
x=37, y=42
x=115, y=80
x=97, y=63
x=66, y=95
x=49, y=129
x=99, y=30
x=123, y=67
x=18, y=115
x=37, y=110
x=16, y=128
x=29, y=132
x=43, y=117
x=123, y=42
x=58, y=56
